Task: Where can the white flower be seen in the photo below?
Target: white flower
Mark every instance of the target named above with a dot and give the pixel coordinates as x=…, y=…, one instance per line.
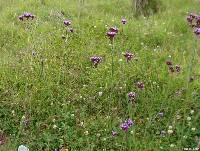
x=170, y=131
x=132, y=132
x=95, y=26
x=81, y=97
x=172, y=145
x=54, y=126
x=170, y=127
x=189, y=118
x=86, y=132
x=98, y=134
x=22, y=148
x=82, y=124
x=193, y=129
x=100, y=93
x=120, y=87
x=192, y=111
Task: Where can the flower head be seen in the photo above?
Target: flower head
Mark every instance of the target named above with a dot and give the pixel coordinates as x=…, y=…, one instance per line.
x=124, y=21
x=128, y=56
x=132, y=96
x=126, y=125
x=197, y=31
x=169, y=63
x=140, y=85
x=95, y=60
x=111, y=35
x=113, y=29
x=26, y=15
x=114, y=133
x=178, y=68
x=67, y=22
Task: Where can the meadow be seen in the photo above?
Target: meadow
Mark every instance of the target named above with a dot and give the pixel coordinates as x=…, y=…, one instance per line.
x=88, y=75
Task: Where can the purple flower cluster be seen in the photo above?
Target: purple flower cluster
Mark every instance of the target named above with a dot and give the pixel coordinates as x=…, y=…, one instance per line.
x=132, y=96
x=95, y=60
x=128, y=56
x=126, y=125
x=67, y=23
x=140, y=85
x=194, y=22
x=124, y=21
x=112, y=32
x=171, y=68
x=26, y=16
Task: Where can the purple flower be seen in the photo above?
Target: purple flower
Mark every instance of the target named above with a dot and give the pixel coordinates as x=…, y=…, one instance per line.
x=111, y=35
x=124, y=21
x=114, y=133
x=197, y=31
x=96, y=60
x=140, y=85
x=113, y=29
x=67, y=22
x=128, y=56
x=132, y=96
x=27, y=16
x=129, y=122
x=169, y=63
x=124, y=127
x=178, y=68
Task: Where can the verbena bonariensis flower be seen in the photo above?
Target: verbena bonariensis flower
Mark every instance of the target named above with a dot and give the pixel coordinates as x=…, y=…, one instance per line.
x=171, y=69
x=126, y=125
x=132, y=96
x=178, y=68
x=67, y=22
x=197, y=31
x=194, y=20
x=114, y=29
x=96, y=60
x=27, y=16
x=114, y=133
x=124, y=21
x=128, y=56
x=140, y=85
x=111, y=35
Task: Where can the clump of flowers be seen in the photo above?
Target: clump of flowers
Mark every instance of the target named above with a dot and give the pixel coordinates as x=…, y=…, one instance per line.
x=126, y=125
x=96, y=60
x=132, y=96
x=140, y=85
x=172, y=68
x=194, y=21
x=129, y=56
x=124, y=21
x=26, y=16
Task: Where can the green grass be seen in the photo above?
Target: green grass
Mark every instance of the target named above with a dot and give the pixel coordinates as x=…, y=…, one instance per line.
x=60, y=87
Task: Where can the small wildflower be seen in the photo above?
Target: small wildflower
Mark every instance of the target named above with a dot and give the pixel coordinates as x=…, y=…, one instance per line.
x=189, y=118
x=100, y=93
x=172, y=145
x=67, y=22
x=171, y=69
x=22, y=148
x=170, y=127
x=132, y=96
x=128, y=56
x=114, y=133
x=170, y=131
x=86, y=132
x=71, y=30
x=96, y=60
x=197, y=31
x=124, y=21
x=140, y=85
x=27, y=16
x=162, y=133
x=98, y=134
x=111, y=35
x=113, y=29
x=178, y=68
x=126, y=125
x=193, y=129
x=192, y=111
x=55, y=126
